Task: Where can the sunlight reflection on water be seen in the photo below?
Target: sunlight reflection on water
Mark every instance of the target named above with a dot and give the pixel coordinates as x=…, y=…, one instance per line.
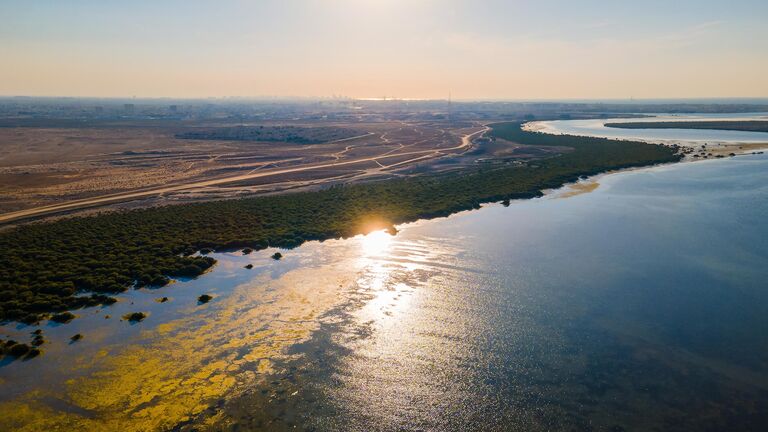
x=382, y=262
x=540, y=316
x=376, y=243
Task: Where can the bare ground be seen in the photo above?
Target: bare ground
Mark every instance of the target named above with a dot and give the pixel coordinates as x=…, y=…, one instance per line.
x=43, y=169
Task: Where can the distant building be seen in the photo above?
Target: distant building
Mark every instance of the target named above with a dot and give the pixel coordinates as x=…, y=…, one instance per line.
x=129, y=108
x=173, y=108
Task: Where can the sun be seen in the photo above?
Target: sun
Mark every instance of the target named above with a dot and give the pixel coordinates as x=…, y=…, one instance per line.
x=376, y=243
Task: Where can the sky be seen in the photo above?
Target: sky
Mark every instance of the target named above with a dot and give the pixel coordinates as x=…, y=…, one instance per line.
x=479, y=49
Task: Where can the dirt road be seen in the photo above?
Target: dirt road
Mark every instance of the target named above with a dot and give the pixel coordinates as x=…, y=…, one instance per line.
x=466, y=141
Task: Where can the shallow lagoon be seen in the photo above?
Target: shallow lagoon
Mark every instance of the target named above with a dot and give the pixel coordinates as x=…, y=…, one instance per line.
x=641, y=305
x=597, y=128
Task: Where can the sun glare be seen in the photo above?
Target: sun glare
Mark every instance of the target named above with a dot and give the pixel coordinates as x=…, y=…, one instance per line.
x=376, y=243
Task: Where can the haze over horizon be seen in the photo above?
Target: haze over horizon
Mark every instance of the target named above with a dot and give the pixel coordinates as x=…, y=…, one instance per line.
x=374, y=48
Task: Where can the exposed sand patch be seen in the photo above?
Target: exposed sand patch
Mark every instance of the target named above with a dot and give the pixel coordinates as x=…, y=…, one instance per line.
x=725, y=149
x=579, y=188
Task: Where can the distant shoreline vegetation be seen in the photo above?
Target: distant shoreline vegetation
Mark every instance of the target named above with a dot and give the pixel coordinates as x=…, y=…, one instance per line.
x=51, y=267
x=732, y=125
x=289, y=134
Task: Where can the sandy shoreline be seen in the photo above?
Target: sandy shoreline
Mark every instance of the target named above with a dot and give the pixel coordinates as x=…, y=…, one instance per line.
x=711, y=148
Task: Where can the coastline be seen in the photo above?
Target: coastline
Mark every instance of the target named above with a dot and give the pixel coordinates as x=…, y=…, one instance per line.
x=166, y=240
x=278, y=373
x=704, y=148
x=574, y=186
x=298, y=312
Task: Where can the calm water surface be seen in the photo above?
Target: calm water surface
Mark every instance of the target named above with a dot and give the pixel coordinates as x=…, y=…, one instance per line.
x=642, y=305
x=596, y=127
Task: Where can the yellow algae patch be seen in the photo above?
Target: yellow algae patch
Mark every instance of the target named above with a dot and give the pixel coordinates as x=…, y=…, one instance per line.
x=166, y=327
x=265, y=366
x=182, y=367
x=33, y=417
x=579, y=188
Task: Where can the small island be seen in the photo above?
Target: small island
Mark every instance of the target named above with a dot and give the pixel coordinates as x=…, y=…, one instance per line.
x=135, y=317
x=735, y=125
x=16, y=350
x=63, y=317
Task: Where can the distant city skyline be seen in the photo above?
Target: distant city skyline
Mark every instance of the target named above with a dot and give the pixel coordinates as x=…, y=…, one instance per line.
x=421, y=49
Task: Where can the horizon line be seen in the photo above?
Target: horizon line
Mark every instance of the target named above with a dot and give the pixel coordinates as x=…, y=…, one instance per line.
x=389, y=99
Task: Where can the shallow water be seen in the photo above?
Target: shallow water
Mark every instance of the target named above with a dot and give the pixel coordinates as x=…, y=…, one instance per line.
x=640, y=304
x=597, y=128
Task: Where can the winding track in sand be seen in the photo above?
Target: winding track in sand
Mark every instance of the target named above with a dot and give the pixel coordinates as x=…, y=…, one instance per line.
x=466, y=141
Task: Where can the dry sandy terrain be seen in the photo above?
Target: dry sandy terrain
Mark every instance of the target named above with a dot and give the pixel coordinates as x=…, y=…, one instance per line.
x=45, y=171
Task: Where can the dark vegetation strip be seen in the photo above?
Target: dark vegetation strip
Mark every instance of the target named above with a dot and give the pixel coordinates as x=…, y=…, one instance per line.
x=282, y=134
x=77, y=262
x=748, y=126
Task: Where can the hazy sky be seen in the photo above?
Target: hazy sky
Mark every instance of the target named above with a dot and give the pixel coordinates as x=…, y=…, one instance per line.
x=398, y=48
